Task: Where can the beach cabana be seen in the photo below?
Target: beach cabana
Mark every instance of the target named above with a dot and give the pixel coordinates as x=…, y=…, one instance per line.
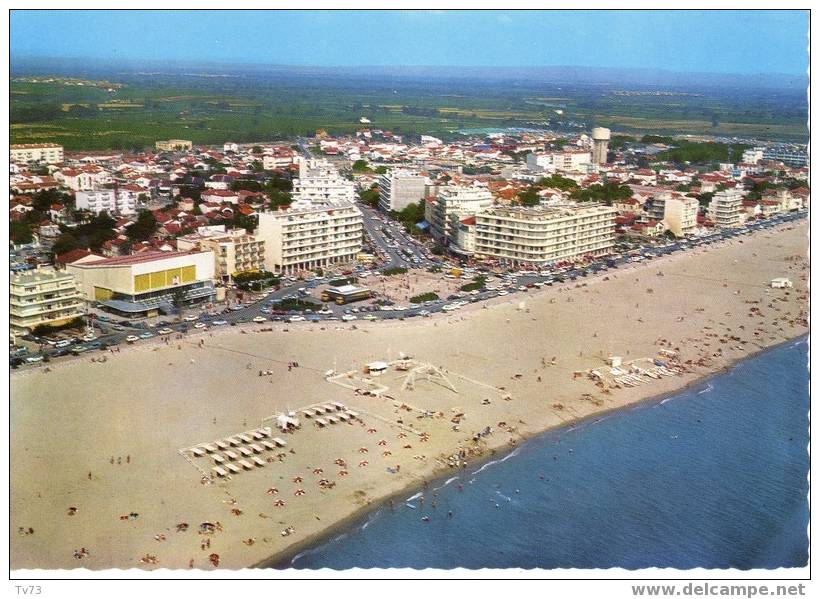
x=333, y=420
x=218, y=459
x=352, y=414
x=245, y=464
x=307, y=413
x=265, y=431
x=233, y=468
x=245, y=451
x=339, y=406
x=344, y=417
x=257, y=435
x=279, y=442
x=219, y=471
x=234, y=441
x=198, y=452
x=209, y=448
x=231, y=455
x=256, y=448
x=244, y=438
x=329, y=408
x=222, y=445
x=321, y=422
x=268, y=445
x=258, y=462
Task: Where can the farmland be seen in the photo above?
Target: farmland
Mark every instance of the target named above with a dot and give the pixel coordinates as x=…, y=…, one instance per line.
x=136, y=109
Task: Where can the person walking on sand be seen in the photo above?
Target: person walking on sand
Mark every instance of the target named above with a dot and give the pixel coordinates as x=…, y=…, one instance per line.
x=128, y=459
x=89, y=475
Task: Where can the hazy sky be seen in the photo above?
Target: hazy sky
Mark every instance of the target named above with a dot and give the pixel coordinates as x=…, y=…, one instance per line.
x=708, y=41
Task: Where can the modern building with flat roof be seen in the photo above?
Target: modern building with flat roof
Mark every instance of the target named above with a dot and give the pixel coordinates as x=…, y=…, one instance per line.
x=543, y=235
x=726, y=208
x=146, y=283
x=43, y=297
x=309, y=238
x=235, y=251
x=46, y=152
x=454, y=203
x=174, y=145
x=399, y=188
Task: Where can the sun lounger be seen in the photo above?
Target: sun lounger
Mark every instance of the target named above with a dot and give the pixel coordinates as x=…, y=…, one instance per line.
x=245, y=451
x=258, y=462
x=279, y=442
x=339, y=406
x=329, y=408
x=245, y=438
x=218, y=459
x=307, y=413
x=268, y=445
x=257, y=435
x=234, y=441
x=352, y=414
x=245, y=464
x=209, y=448
x=233, y=468
x=219, y=471
x=231, y=455
x=264, y=431
x=222, y=445
x=256, y=448
x=319, y=409
x=198, y=452
x=321, y=422
x=333, y=420
x=344, y=417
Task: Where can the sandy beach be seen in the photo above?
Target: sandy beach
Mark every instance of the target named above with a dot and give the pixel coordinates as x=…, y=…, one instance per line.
x=98, y=448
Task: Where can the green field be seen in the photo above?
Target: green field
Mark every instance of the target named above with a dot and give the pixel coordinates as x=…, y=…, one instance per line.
x=209, y=111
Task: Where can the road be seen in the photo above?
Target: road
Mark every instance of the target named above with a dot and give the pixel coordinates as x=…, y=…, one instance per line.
x=509, y=284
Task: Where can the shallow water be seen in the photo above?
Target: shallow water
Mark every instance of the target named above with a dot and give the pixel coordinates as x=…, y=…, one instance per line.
x=713, y=477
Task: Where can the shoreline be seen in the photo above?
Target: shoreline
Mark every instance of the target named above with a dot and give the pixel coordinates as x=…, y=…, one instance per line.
x=151, y=400
x=283, y=559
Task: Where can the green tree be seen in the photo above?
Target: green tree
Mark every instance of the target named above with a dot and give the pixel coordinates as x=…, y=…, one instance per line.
x=529, y=197
x=21, y=233
x=370, y=196
x=144, y=227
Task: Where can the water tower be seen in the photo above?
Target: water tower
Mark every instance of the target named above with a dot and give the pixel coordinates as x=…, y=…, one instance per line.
x=600, y=144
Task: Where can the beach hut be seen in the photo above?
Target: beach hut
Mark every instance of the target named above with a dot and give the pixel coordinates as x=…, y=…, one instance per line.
x=245, y=451
x=268, y=445
x=352, y=414
x=231, y=455
x=279, y=442
x=319, y=409
x=222, y=445
x=339, y=406
x=233, y=468
x=265, y=431
x=198, y=453
x=307, y=413
x=218, y=459
x=245, y=464
x=245, y=438
x=333, y=420
x=257, y=436
x=321, y=422
x=344, y=417
x=285, y=422
x=376, y=368
x=209, y=448
x=256, y=448
x=219, y=471
x=258, y=462
x=329, y=409
x=234, y=441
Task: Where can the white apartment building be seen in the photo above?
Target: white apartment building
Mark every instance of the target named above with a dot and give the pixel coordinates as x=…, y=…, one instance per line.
x=453, y=203
x=399, y=188
x=565, y=160
x=277, y=160
x=680, y=215
x=112, y=201
x=726, y=208
x=43, y=297
x=319, y=182
x=234, y=251
x=49, y=153
x=174, y=145
x=86, y=178
x=752, y=155
x=543, y=235
x=308, y=238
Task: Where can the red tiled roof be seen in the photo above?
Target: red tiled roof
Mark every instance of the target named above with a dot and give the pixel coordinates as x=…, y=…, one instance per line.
x=137, y=259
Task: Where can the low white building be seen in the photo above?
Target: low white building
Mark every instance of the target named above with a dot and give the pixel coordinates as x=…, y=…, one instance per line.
x=47, y=152
x=112, y=201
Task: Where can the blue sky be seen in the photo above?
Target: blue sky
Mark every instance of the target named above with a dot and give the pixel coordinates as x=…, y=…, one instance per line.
x=706, y=41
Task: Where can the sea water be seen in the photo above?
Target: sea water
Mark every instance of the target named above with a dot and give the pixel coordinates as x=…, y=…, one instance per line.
x=713, y=477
